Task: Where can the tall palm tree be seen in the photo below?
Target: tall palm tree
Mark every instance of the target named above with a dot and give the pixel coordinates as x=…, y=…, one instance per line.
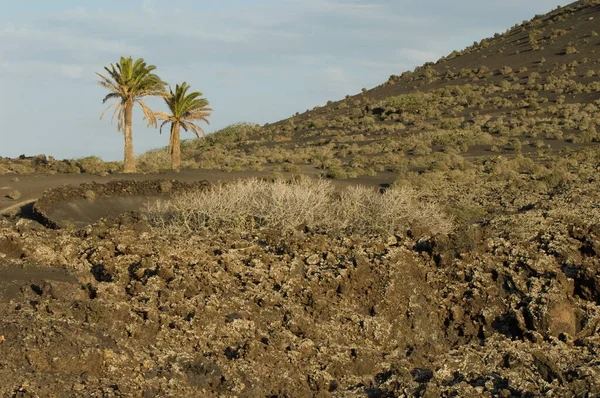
x=185, y=109
x=128, y=83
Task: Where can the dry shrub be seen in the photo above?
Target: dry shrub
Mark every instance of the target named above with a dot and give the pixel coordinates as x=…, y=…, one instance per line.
x=154, y=160
x=21, y=167
x=363, y=210
x=245, y=204
x=95, y=165
x=251, y=204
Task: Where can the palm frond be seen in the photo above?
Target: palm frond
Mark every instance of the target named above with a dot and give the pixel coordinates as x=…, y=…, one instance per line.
x=163, y=124
x=109, y=85
x=162, y=115
x=199, y=117
x=121, y=119
x=114, y=73
x=194, y=128
x=107, y=108
x=111, y=96
x=148, y=114
x=118, y=113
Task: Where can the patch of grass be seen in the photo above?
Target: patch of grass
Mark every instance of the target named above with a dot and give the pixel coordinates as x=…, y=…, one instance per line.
x=571, y=50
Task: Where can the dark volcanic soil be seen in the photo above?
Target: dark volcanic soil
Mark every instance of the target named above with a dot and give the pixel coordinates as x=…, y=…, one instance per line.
x=78, y=206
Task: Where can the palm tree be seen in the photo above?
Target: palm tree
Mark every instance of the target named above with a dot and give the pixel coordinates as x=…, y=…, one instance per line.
x=185, y=108
x=128, y=83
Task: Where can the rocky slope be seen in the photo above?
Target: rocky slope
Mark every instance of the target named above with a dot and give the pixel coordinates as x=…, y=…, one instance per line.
x=505, y=306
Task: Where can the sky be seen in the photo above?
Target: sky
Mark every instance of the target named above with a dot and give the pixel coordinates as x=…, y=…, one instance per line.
x=256, y=61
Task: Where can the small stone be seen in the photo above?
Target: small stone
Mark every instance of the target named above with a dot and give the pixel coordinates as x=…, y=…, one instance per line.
x=78, y=387
x=14, y=195
x=229, y=318
x=90, y=195
x=165, y=186
x=165, y=273
x=24, y=225
x=313, y=259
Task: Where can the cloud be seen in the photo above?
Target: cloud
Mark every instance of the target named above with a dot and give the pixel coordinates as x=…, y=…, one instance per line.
x=38, y=69
x=336, y=79
x=149, y=7
x=71, y=71
x=418, y=56
x=147, y=25
x=345, y=8
x=61, y=39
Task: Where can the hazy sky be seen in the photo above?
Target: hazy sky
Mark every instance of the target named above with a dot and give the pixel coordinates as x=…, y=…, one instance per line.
x=255, y=60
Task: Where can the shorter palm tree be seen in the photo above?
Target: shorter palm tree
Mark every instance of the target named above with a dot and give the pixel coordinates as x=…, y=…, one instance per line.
x=186, y=108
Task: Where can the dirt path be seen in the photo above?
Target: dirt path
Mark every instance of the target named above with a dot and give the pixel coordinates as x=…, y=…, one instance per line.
x=32, y=186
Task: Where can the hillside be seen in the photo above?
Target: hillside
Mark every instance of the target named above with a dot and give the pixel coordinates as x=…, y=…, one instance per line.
x=532, y=89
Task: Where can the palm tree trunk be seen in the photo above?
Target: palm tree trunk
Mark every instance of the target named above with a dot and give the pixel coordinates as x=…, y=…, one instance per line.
x=129, y=162
x=175, y=146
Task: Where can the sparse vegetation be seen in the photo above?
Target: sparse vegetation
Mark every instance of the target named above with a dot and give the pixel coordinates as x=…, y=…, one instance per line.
x=570, y=50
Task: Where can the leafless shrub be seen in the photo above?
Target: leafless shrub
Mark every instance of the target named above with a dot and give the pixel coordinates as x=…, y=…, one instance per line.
x=247, y=205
